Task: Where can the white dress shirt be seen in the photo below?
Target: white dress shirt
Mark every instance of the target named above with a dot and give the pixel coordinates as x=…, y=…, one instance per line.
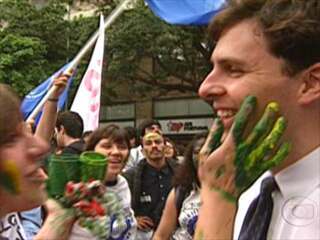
x=296, y=212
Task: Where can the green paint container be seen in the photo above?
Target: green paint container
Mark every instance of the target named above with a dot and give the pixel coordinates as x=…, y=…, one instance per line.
x=93, y=166
x=62, y=169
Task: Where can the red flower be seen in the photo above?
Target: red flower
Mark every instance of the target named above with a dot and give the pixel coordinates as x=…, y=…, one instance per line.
x=92, y=208
x=99, y=210
x=69, y=189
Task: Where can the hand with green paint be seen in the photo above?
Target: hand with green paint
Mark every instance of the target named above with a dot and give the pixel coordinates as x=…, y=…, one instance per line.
x=232, y=166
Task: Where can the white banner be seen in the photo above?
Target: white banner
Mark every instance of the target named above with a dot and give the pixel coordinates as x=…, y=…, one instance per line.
x=87, y=99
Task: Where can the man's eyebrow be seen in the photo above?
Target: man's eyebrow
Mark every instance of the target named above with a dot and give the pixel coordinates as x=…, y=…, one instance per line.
x=234, y=61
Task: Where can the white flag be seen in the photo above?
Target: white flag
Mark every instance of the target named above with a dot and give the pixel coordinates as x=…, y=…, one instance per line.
x=87, y=99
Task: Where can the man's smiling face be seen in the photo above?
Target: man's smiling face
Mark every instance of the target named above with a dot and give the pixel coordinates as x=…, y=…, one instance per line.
x=242, y=66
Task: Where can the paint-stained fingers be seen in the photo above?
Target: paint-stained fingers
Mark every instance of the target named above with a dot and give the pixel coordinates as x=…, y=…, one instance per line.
x=264, y=125
x=213, y=139
x=242, y=117
x=278, y=157
x=267, y=146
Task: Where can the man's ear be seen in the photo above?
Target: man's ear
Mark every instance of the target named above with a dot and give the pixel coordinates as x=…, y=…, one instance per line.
x=310, y=89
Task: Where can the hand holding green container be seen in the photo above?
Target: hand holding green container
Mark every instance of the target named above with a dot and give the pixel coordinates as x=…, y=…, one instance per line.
x=70, y=167
x=62, y=169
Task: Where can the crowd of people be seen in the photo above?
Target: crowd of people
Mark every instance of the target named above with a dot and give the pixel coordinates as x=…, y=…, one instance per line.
x=254, y=175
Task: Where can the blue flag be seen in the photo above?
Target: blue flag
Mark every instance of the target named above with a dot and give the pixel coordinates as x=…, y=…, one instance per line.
x=186, y=12
x=32, y=99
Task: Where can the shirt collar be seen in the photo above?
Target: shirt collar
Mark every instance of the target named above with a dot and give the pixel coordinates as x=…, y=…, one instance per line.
x=164, y=170
x=301, y=177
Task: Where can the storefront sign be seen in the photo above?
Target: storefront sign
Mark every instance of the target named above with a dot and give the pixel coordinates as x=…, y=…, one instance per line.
x=186, y=126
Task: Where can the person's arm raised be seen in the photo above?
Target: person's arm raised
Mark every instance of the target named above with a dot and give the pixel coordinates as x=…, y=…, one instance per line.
x=47, y=122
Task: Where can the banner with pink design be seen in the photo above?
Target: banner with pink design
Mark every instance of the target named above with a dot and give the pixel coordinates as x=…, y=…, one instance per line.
x=87, y=99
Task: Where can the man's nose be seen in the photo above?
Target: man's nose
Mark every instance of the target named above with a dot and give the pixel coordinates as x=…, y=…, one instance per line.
x=154, y=144
x=211, y=88
x=115, y=149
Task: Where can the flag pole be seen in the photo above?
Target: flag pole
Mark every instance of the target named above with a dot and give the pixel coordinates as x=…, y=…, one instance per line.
x=75, y=61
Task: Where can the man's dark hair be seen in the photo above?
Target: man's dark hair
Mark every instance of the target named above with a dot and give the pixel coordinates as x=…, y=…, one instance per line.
x=291, y=28
x=86, y=133
x=132, y=133
x=72, y=123
x=146, y=124
x=186, y=173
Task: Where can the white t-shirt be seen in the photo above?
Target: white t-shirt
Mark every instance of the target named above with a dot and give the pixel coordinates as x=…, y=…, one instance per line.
x=129, y=231
x=11, y=227
x=188, y=217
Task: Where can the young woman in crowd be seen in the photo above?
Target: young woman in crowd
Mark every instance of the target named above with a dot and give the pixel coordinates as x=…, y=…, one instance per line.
x=170, y=150
x=113, y=142
x=181, y=211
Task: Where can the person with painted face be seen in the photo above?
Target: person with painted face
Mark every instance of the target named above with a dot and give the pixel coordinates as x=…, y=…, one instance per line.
x=113, y=142
x=22, y=180
x=180, y=214
x=264, y=88
x=136, y=153
x=150, y=184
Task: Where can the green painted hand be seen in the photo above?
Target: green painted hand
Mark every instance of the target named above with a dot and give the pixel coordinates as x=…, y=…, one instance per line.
x=236, y=163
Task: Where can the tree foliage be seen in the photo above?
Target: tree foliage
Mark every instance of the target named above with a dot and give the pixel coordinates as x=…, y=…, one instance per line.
x=153, y=56
x=34, y=41
x=142, y=52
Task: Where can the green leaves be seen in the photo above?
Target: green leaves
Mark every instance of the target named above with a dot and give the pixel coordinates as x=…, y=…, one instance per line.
x=25, y=44
x=141, y=50
x=21, y=62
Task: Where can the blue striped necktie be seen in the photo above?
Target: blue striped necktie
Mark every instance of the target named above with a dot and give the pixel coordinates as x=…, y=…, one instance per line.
x=257, y=220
